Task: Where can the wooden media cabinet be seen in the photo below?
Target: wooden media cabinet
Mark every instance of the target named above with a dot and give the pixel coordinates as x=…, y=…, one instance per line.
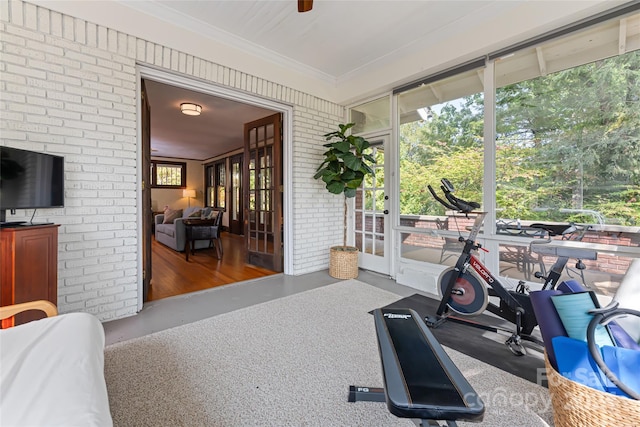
x=28, y=268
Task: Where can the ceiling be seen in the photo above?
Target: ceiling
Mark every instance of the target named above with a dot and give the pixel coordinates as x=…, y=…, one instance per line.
x=326, y=42
x=217, y=130
x=338, y=44
x=335, y=38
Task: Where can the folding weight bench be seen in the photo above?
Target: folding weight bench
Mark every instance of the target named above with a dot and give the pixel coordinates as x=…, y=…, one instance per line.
x=420, y=380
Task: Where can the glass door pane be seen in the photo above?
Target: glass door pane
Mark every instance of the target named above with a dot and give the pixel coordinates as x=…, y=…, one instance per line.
x=264, y=181
x=371, y=206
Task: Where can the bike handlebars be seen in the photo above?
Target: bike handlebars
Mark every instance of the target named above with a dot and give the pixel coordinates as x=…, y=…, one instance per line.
x=453, y=202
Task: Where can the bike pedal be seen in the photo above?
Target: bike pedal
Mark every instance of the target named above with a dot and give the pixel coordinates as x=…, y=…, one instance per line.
x=433, y=321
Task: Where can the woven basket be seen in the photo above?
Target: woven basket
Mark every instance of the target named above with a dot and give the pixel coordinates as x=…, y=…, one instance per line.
x=343, y=264
x=576, y=405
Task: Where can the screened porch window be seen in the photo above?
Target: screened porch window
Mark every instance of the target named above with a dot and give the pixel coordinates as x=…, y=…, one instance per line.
x=441, y=136
x=568, y=144
x=567, y=129
x=567, y=150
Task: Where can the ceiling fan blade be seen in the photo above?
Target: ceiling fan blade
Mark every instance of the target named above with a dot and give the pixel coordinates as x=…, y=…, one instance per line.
x=305, y=5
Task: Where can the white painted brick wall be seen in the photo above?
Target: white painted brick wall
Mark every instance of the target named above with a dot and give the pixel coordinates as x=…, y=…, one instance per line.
x=69, y=87
x=317, y=213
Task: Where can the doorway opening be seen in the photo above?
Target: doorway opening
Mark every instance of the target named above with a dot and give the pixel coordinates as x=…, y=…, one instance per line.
x=166, y=270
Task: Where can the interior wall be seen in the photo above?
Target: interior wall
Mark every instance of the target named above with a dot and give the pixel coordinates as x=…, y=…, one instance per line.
x=71, y=87
x=172, y=197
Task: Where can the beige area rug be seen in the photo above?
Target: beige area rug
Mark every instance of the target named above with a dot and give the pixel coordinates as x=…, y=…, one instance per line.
x=287, y=362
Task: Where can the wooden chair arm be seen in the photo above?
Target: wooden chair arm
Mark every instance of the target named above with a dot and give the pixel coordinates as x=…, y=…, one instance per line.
x=11, y=310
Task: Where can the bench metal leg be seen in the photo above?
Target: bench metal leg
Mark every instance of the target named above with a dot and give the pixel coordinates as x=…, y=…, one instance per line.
x=434, y=423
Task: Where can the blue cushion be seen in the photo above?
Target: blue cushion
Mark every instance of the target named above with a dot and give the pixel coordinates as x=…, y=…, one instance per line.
x=625, y=364
x=573, y=311
x=575, y=363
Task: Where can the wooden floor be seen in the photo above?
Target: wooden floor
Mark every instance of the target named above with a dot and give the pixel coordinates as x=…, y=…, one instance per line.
x=172, y=275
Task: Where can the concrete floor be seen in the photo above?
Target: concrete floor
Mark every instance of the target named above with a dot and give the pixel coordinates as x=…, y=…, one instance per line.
x=179, y=310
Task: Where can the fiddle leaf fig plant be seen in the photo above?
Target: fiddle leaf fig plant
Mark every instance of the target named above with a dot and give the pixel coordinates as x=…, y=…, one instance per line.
x=346, y=164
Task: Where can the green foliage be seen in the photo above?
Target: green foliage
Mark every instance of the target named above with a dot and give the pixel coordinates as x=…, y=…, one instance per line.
x=462, y=166
x=346, y=163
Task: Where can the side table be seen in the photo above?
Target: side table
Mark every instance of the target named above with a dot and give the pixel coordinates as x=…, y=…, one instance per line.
x=200, y=229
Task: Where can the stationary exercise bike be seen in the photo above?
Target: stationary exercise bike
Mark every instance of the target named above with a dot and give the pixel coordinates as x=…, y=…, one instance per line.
x=466, y=288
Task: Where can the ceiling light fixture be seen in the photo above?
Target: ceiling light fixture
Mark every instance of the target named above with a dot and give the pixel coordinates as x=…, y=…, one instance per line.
x=190, y=109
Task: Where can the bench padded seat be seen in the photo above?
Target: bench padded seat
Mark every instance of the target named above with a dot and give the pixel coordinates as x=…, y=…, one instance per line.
x=420, y=380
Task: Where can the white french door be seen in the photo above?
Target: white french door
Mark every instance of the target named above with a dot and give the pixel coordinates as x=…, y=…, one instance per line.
x=371, y=209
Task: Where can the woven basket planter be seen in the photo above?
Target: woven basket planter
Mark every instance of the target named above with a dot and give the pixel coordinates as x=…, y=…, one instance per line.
x=576, y=405
x=343, y=262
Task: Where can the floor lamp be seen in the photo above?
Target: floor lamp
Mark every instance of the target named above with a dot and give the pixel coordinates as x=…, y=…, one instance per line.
x=189, y=194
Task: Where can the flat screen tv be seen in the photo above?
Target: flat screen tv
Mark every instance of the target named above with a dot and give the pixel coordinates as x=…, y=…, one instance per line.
x=30, y=180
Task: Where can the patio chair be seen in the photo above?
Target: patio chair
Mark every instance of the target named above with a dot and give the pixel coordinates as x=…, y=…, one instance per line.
x=522, y=258
x=451, y=244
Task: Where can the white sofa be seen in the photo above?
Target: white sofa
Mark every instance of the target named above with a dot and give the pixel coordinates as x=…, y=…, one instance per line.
x=174, y=234
x=53, y=370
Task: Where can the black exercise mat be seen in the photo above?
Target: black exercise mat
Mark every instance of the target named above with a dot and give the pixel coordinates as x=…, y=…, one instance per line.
x=483, y=345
